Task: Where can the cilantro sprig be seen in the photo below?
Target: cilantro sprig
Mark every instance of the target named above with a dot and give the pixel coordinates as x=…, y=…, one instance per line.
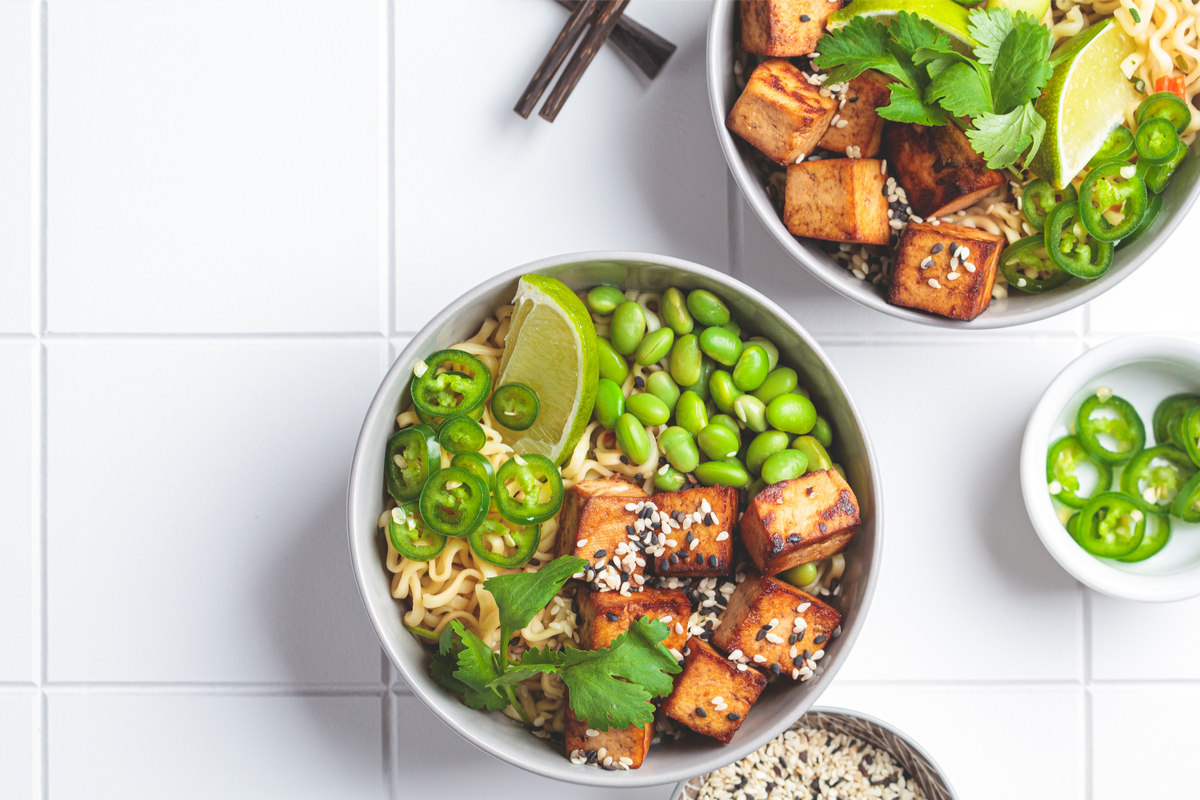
x=935, y=84
x=609, y=687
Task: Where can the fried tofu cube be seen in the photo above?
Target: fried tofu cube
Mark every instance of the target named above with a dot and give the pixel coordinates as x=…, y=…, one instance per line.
x=780, y=112
x=838, y=200
x=609, y=747
x=937, y=167
x=703, y=544
x=862, y=134
x=713, y=694
x=593, y=525
x=794, y=522
x=939, y=282
x=605, y=615
x=777, y=626
x=784, y=28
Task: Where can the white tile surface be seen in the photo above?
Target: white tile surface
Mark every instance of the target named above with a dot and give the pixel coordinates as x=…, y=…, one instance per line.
x=201, y=747
x=216, y=166
x=628, y=164
x=1145, y=741
x=207, y=542
x=1164, y=651
x=18, y=734
x=18, y=435
x=966, y=574
x=17, y=166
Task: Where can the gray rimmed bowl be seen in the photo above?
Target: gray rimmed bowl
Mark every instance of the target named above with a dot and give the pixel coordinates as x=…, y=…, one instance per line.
x=1017, y=309
x=917, y=763
x=668, y=762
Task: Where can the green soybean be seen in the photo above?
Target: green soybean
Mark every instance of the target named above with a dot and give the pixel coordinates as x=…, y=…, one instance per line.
x=664, y=388
x=756, y=487
x=610, y=403
x=814, y=452
x=675, y=312
x=669, y=479
x=707, y=308
x=840, y=470
x=769, y=346
x=751, y=368
x=603, y=300
x=721, y=346
x=751, y=411
x=612, y=364
x=686, y=361
x=727, y=421
x=680, y=448
x=823, y=432
x=690, y=413
x=778, y=381
x=784, y=466
x=722, y=473
x=764, y=445
x=648, y=409
x=720, y=385
x=627, y=328
x=632, y=438
x=793, y=413
x=802, y=575
x=654, y=347
x=718, y=442
x=733, y=328
x=700, y=387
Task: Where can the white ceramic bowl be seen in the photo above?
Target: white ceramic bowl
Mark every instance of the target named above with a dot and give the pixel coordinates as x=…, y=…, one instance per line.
x=1143, y=370
x=495, y=733
x=1017, y=309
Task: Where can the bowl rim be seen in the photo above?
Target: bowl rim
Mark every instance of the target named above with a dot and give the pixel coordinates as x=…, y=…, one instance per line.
x=362, y=555
x=1074, y=559
x=840, y=279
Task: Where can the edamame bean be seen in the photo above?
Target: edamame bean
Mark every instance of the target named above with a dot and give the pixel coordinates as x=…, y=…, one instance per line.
x=814, y=452
x=627, y=328
x=784, y=466
x=720, y=385
x=632, y=438
x=718, y=442
x=610, y=403
x=769, y=346
x=802, y=575
x=721, y=346
x=654, y=347
x=604, y=299
x=764, y=445
x=733, y=327
x=840, y=470
x=793, y=413
x=612, y=364
x=648, y=409
x=778, y=381
x=727, y=421
x=751, y=368
x=700, y=387
x=686, y=360
x=669, y=479
x=675, y=312
x=707, y=308
x=752, y=411
x=664, y=388
x=680, y=448
x=690, y=413
x=722, y=473
x=822, y=432
x=756, y=487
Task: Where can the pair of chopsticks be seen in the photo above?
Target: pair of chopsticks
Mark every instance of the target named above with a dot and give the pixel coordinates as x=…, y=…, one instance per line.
x=647, y=50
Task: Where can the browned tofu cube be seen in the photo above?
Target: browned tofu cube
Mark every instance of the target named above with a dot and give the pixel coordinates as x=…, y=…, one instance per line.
x=713, y=694
x=939, y=282
x=780, y=112
x=838, y=199
x=605, y=615
x=703, y=544
x=937, y=167
x=614, y=748
x=861, y=135
x=593, y=525
x=794, y=522
x=776, y=626
x=784, y=27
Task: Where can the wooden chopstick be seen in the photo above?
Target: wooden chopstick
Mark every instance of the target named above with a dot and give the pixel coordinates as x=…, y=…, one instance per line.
x=606, y=19
x=644, y=47
x=581, y=15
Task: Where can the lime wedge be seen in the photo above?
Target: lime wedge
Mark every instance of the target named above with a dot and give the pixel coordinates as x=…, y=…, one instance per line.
x=551, y=348
x=945, y=14
x=1084, y=100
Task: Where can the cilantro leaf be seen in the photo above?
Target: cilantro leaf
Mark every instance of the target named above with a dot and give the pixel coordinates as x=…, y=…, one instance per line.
x=961, y=89
x=910, y=33
x=531, y=663
x=445, y=662
x=521, y=595
x=1022, y=65
x=908, y=105
x=990, y=27
x=1002, y=138
x=477, y=668
x=860, y=45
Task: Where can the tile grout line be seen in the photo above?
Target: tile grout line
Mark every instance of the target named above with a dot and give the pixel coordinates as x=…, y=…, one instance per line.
x=242, y=338
x=1089, y=788
x=41, y=573
x=211, y=688
x=389, y=756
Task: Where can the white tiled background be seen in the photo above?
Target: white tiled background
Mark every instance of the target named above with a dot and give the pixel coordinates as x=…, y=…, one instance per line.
x=219, y=222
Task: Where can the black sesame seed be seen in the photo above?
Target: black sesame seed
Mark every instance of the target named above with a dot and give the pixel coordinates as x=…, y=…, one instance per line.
x=794, y=538
x=690, y=537
x=514, y=641
x=805, y=17
x=600, y=554
x=713, y=560
x=762, y=634
x=639, y=382
x=700, y=712
x=853, y=99
x=707, y=635
x=612, y=617
x=662, y=460
x=793, y=638
x=674, y=559
x=821, y=525
x=937, y=248
x=624, y=460
x=732, y=717
x=803, y=756
x=699, y=558
x=637, y=477
x=630, y=530
x=820, y=639
x=775, y=669
x=708, y=519
x=798, y=661
x=807, y=654
x=953, y=245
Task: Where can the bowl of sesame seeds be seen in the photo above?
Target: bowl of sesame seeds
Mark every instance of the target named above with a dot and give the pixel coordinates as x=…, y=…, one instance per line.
x=827, y=753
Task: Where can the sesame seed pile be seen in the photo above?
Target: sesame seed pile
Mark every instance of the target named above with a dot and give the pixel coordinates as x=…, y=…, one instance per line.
x=811, y=764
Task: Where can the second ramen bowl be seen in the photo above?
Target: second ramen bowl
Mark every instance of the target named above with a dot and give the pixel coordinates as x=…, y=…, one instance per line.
x=670, y=761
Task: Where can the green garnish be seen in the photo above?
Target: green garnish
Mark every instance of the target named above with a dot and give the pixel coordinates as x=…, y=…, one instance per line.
x=1137, y=18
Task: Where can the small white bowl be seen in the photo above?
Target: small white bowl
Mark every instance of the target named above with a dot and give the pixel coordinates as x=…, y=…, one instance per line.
x=1143, y=370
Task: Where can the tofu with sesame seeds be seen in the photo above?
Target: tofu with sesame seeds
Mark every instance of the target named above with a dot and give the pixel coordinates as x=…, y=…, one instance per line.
x=594, y=524
x=940, y=172
x=712, y=695
x=863, y=96
x=605, y=615
x=794, y=522
x=838, y=200
x=702, y=514
x=780, y=112
x=778, y=626
x=946, y=269
x=784, y=28
x=630, y=743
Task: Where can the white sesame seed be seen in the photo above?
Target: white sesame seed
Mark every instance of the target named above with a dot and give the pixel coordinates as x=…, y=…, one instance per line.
x=716, y=701
x=626, y=760
x=774, y=638
x=736, y=654
x=608, y=761
x=934, y=283
x=841, y=123
x=679, y=628
x=817, y=656
x=795, y=673
x=895, y=224
x=694, y=544
x=969, y=266
x=953, y=276
x=581, y=543
x=592, y=732
x=631, y=506
x=927, y=262
x=772, y=624
x=801, y=158
x=883, y=167
x=759, y=659
x=800, y=609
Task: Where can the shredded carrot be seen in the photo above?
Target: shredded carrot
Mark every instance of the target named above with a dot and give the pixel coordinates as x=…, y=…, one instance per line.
x=1174, y=84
